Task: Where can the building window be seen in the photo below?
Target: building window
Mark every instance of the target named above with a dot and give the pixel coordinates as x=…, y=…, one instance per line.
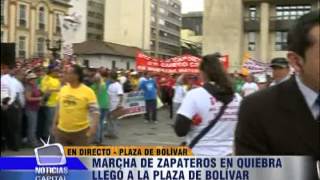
x=58, y=25
x=162, y=11
x=41, y=17
x=40, y=47
x=285, y=12
x=98, y=37
x=86, y=63
x=153, y=19
x=22, y=47
x=152, y=43
x=251, y=41
x=252, y=13
x=2, y=12
x=281, y=41
x=161, y=22
x=22, y=15
x=114, y=64
x=153, y=7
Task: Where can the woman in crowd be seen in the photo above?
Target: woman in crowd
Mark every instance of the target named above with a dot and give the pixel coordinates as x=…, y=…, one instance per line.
x=33, y=99
x=202, y=106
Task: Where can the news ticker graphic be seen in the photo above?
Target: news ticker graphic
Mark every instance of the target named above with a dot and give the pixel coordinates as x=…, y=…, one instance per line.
x=149, y=163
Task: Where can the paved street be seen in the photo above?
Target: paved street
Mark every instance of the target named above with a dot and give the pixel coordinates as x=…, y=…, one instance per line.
x=133, y=131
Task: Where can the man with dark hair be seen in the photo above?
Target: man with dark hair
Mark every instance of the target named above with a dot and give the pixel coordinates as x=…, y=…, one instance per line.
x=284, y=119
x=149, y=88
x=280, y=70
x=76, y=102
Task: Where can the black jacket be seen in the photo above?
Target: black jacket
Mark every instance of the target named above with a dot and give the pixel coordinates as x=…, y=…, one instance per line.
x=277, y=121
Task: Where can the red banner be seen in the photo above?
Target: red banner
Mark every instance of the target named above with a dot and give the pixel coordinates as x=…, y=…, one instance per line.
x=180, y=64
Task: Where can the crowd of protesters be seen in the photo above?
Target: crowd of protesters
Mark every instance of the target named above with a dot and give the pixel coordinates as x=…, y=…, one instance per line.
x=39, y=88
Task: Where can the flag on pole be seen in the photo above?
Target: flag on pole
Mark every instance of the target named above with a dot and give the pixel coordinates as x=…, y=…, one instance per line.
x=253, y=66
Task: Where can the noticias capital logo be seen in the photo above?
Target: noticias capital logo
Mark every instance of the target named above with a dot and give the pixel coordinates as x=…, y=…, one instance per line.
x=51, y=162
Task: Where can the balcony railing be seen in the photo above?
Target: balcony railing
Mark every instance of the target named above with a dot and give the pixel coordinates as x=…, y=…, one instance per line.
x=257, y=18
x=169, y=41
x=170, y=30
x=169, y=51
x=284, y=17
x=170, y=8
x=251, y=24
x=282, y=23
x=42, y=27
x=172, y=20
x=22, y=23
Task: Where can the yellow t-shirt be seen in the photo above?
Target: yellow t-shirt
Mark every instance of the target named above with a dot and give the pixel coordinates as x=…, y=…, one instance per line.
x=50, y=83
x=134, y=83
x=74, y=107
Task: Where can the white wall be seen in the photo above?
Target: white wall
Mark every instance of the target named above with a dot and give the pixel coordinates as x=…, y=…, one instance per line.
x=127, y=22
x=97, y=61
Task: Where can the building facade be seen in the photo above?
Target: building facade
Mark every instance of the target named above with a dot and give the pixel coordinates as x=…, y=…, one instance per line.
x=193, y=21
x=254, y=26
x=96, y=54
x=95, y=19
x=88, y=19
x=29, y=23
x=152, y=25
x=191, y=33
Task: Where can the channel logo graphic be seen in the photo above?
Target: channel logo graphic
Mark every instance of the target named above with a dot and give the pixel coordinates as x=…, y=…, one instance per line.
x=50, y=154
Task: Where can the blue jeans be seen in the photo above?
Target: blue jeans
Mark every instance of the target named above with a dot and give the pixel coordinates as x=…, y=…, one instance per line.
x=32, y=118
x=103, y=116
x=151, y=110
x=112, y=126
x=49, y=115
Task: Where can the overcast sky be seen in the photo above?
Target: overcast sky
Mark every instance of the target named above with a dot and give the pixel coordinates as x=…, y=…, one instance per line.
x=192, y=5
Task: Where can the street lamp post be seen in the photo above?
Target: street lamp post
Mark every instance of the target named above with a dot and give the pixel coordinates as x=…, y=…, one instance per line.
x=54, y=48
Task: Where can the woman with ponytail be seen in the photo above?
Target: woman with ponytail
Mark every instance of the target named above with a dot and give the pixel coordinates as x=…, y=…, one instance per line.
x=208, y=114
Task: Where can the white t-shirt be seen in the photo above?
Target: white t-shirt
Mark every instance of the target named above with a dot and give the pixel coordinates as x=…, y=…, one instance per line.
x=115, y=89
x=20, y=90
x=219, y=140
x=249, y=88
x=8, y=88
x=179, y=93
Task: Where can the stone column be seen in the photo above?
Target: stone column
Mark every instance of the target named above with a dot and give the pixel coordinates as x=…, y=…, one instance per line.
x=50, y=25
x=12, y=23
x=264, y=32
x=33, y=26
